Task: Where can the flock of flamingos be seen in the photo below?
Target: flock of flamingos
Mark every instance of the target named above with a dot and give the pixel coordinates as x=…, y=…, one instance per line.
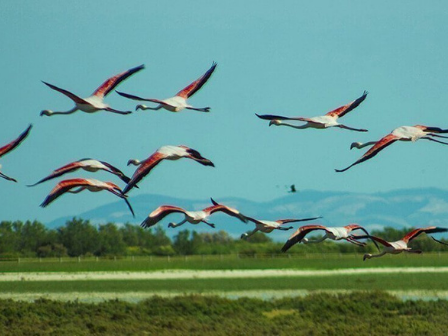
x=96, y=103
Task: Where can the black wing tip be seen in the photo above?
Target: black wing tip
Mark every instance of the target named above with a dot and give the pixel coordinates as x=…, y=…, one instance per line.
x=213, y=201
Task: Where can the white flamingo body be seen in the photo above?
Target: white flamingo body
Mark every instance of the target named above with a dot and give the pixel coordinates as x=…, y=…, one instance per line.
x=179, y=101
x=402, y=133
x=192, y=217
x=320, y=122
x=95, y=102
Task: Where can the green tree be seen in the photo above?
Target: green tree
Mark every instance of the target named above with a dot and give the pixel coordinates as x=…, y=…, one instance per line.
x=79, y=237
x=111, y=241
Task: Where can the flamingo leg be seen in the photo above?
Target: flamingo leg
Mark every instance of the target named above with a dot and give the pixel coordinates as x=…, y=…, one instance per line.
x=7, y=177
x=351, y=128
x=438, y=136
x=203, y=109
x=209, y=224
x=430, y=139
x=285, y=228
x=355, y=242
x=117, y=111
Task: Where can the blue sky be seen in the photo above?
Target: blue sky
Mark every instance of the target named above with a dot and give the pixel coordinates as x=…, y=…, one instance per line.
x=289, y=58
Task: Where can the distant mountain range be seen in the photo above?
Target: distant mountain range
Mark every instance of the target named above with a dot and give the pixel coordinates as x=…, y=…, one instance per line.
x=398, y=209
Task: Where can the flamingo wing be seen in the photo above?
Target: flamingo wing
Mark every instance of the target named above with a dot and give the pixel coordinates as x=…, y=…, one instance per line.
x=13, y=144
x=378, y=147
x=72, y=96
x=191, y=89
x=277, y=117
x=227, y=210
x=284, y=221
x=374, y=238
x=133, y=97
x=353, y=227
x=68, y=168
x=301, y=232
x=343, y=110
x=114, y=170
x=430, y=229
x=62, y=187
x=144, y=169
x=105, y=88
x=158, y=214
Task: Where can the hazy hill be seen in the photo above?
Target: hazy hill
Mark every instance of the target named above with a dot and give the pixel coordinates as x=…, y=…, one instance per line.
x=398, y=208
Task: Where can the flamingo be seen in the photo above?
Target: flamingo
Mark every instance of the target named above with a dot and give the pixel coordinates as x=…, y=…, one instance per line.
x=95, y=102
x=10, y=146
x=193, y=217
x=179, y=101
x=333, y=233
x=90, y=165
x=82, y=184
x=267, y=226
x=328, y=120
x=401, y=245
x=163, y=153
x=403, y=133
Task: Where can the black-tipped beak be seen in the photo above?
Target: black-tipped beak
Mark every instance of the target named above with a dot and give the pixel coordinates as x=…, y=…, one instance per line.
x=271, y=123
x=206, y=162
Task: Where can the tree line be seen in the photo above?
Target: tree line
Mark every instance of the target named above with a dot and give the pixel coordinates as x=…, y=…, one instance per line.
x=79, y=237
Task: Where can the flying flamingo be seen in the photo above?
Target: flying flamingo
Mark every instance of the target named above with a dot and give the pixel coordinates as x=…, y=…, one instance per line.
x=269, y=226
x=328, y=120
x=163, y=153
x=10, y=146
x=333, y=233
x=403, y=133
x=95, y=102
x=90, y=165
x=401, y=245
x=179, y=101
x=82, y=184
x=193, y=217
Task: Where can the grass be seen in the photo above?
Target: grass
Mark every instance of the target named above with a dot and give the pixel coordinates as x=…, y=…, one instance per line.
x=359, y=313
x=406, y=282
x=224, y=262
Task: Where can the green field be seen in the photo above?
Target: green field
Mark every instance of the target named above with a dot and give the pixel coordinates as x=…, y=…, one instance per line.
x=224, y=262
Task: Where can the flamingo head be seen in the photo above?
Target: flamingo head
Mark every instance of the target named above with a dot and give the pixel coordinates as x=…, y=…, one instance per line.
x=140, y=107
x=46, y=112
x=367, y=256
x=244, y=236
x=134, y=162
x=275, y=122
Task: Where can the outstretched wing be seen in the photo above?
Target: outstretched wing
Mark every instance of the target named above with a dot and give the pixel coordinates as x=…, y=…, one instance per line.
x=158, y=214
x=430, y=229
x=378, y=147
x=353, y=227
x=13, y=144
x=343, y=110
x=114, y=170
x=226, y=209
x=301, y=232
x=72, y=96
x=70, y=167
x=284, y=221
x=133, y=97
x=62, y=187
x=144, y=169
x=191, y=89
x=277, y=117
x=112, y=82
x=374, y=238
